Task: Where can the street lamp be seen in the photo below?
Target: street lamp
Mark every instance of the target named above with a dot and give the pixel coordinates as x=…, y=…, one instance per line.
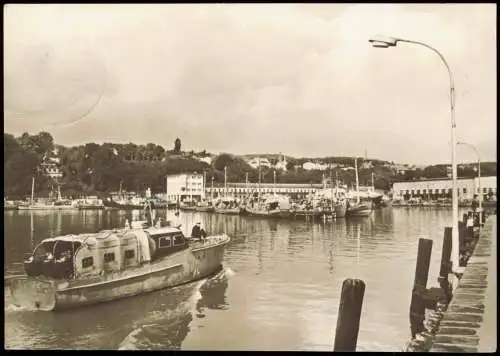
x=386, y=42
x=478, y=178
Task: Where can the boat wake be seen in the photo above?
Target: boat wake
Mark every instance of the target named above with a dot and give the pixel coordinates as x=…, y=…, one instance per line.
x=167, y=328
x=162, y=329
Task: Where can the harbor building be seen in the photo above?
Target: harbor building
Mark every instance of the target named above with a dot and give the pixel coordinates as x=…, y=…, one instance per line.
x=185, y=186
x=432, y=189
x=242, y=190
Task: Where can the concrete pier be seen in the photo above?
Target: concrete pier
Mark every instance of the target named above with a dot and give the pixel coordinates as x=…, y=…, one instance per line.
x=469, y=324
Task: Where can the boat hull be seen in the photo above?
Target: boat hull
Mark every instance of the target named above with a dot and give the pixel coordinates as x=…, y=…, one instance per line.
x=340, y=210
x=206, y=209
x=232, y=211
x=47, y=207
x=362, y=209
x=277, y=213
x=115, y=205
x=196, y=262
x=306, y=214
x=91, y=207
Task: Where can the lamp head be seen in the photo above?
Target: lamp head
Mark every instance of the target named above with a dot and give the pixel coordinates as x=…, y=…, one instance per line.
x=380, y=41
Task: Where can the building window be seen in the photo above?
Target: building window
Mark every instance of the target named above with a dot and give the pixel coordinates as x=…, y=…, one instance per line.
x=465, y=190
x=484, y=190
x=129, y=254
x=109, y=257
x=87, y=262
x=164, y=242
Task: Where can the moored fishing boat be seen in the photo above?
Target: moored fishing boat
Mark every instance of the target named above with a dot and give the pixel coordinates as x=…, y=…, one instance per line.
x=228, y=205
x=204, y=206
x=187, y=205
x=305, y=209
x=89, y=203
x=9, y=205
x=49, y=205
x=358, y=203
x=75, y=270
x=273, y=206
x=363, y=208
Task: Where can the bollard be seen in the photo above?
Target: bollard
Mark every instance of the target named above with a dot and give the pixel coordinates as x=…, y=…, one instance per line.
x=445, y=268
x=417, y=306
x=351, y=301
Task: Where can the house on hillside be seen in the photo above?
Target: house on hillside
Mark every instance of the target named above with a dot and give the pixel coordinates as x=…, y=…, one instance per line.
x=257, y=161
x=51, y=163
x=207, y=160
x=281, y=164
x=310, y=166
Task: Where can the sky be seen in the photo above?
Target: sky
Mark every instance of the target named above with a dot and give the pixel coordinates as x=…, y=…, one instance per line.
x=298, y=79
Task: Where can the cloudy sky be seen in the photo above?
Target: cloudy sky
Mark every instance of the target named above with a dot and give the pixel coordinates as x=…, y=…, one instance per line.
x=300, y=79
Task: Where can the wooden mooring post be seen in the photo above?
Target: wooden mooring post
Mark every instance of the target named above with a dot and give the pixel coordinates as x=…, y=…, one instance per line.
x=351, y=301
x=445, y=268
x=422, y=297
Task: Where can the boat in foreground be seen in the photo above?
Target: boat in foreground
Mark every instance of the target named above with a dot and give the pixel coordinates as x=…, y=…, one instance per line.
x=76, y=270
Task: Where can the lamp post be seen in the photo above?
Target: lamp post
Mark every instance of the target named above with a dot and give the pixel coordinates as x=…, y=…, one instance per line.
x=478, y=178
x=386, y=42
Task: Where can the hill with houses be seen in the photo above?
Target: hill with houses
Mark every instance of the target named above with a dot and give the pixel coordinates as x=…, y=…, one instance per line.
x=100, y=168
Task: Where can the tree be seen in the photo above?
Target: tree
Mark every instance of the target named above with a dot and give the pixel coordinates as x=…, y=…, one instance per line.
x=177, y=145
x=222, y=161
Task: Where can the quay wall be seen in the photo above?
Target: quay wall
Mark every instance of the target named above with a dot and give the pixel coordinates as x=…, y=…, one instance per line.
x=469, y=324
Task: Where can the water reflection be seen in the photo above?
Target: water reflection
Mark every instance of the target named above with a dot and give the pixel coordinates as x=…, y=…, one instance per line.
x=288, y=276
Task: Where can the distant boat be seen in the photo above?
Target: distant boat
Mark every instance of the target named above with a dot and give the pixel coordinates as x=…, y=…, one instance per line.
x=356, y=206
x=272, y=205
x=269, y=206
x=228, y=205
x=125, y=204
x=187, y=205
x=89, y=203
x=204, y=206
x=47, y=204
x=340, y=208
x=9, y=205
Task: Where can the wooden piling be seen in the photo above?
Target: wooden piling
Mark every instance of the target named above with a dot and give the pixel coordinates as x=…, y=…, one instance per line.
x=417, y=305
x=351, y=301
x=445, y=268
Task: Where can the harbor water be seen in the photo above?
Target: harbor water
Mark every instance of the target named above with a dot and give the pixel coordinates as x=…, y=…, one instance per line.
x=279, y=289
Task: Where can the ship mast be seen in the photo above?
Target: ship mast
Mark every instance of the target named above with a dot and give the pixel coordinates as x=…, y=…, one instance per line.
x=373, y=183
x=259, y=180
x=32, y=190
x=274, y=177
x=225, y=181
x=212, y=190
x=357, y=179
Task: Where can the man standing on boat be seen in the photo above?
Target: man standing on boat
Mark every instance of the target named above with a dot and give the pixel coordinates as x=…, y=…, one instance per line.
x=198, y=232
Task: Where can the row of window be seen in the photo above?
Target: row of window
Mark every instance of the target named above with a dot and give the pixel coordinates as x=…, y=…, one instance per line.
x=442, y=191
x=243, y=190
x=108, y=257
x=166, y=241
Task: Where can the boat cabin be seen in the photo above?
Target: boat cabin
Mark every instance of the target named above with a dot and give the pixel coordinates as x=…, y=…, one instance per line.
x=87, y=255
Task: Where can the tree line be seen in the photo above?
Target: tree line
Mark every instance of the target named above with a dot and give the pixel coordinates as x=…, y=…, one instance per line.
x=98, y=169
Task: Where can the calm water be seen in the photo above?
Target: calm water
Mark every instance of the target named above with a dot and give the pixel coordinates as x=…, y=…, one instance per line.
x=279, y=289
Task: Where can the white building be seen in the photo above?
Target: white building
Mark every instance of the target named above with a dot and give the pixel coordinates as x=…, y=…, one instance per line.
x=185, y=186
x=281, y=165
x=50, y=165
x=309, y=166
x=441, y=188
x=207, y=160
x=257, y=161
